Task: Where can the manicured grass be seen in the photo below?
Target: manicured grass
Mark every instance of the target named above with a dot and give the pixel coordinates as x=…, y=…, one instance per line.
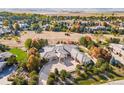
x=86, y=82
x=99, y=80
x=91, y=82
x=21, y=55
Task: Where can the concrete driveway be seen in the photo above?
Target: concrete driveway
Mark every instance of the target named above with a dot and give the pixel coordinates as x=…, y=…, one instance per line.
x=68, y=65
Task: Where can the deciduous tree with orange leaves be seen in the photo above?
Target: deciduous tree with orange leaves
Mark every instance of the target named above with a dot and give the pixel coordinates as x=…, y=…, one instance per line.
x=33, y=60
x=98, y=52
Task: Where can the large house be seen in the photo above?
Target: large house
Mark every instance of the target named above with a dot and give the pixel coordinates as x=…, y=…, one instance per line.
x=4, y=31
x=118, y=49
x=23, y=26
x=62, y=52
x=118, y=52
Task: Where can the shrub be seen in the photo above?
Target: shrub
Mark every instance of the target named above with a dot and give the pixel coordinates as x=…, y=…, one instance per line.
x=52, y=75
x=84, y=75
x=68, y=75
x=96, y=70
x=114, y=40
x=86, y=41
x=63, y=74
x=78, y=72
x=37, y=43
x=32, y=82
x=19, y=81
x=11, y=60
x=110, y=75
x=34, y=75
x=23, y=65
x=78, y=66
x=56, y=71
x=50, y=81
x=28, y=43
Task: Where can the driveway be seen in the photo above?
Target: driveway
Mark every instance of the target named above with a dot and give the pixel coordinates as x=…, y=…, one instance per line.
x=68, y=65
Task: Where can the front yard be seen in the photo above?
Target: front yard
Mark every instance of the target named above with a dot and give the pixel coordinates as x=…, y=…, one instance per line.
x=20, y=54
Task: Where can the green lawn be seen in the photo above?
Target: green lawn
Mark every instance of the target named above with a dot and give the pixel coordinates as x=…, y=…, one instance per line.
x=86, y=82
x=21, y=55
x=99, y=80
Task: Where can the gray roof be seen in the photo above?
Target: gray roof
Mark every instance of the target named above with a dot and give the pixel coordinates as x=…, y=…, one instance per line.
x=60, y=49
x=74, y=53
x=2, y=64
x=5, y=54
x=64, y=50
x=53, y=52
x=81, y=57
x=50, y=54
x=68, y=48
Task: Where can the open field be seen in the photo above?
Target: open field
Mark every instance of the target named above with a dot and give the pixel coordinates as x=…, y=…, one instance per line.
x=52, y=37
x=83, y=14
x=86, y=14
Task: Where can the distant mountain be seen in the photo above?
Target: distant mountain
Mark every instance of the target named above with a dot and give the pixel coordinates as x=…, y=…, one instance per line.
x=54, y=10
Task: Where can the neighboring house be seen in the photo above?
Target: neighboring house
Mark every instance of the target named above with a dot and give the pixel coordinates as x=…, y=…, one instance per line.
x=44, y=27
x=96, y=28
x=4, y=31
x=122, y=24
x=23, y=26
x=1, y=24
x=117, y=49
x=3, y=57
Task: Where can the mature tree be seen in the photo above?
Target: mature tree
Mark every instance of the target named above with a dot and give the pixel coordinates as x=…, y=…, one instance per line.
x=5, y=23
x=98, y=52
x=33, y=60
x=35, y=26
x=11, y=60
x=16, y=26
x=33, y=51
x=105, y=24
x=28, y=43
x=86, y=41
x=33, y=63
x=63, y=74
x=36, y=43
